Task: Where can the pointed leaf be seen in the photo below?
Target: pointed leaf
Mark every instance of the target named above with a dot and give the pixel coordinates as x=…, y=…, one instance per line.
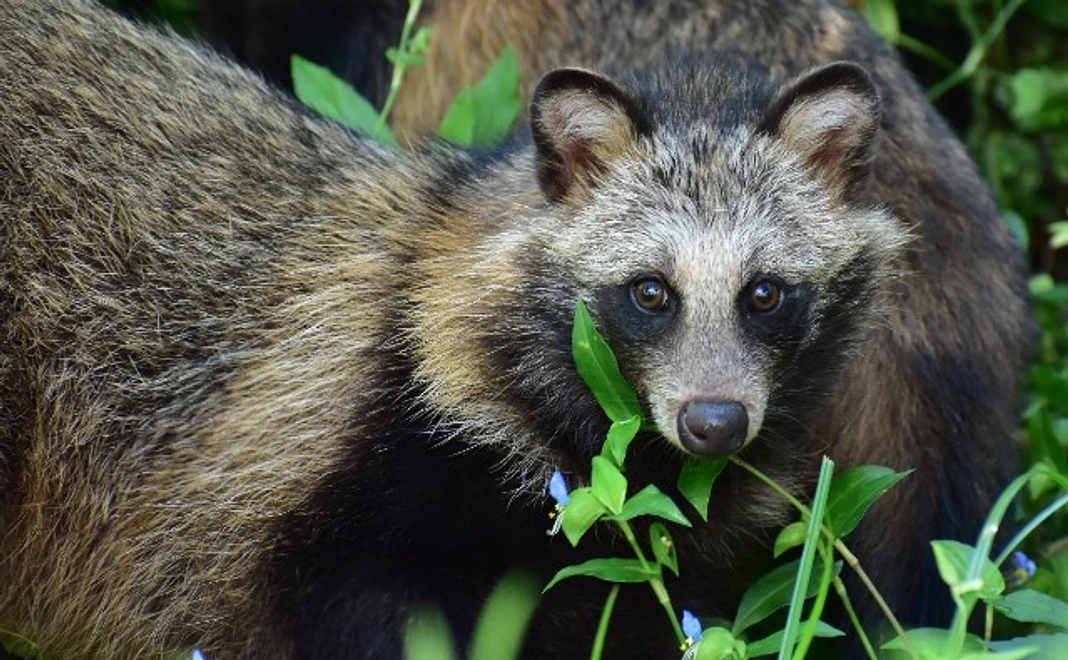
x=484, y=113
x=1038, y=647
x=599, y=369
x=582, y=511
x=611, y=569
x=953, y=559
x=332, y=97
x=791, y=536
x=608, y=484
x=718, y=644
x=620, y=435
x=853, y=491
x=931, y=644
x=1031, y=606
x=696, y=480
x=771, y=593
x=664, y=547
x=650, y=501
x=770, y=644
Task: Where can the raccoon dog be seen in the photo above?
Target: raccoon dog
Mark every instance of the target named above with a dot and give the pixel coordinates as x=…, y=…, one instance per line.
x=934, y=389
x=267, y=387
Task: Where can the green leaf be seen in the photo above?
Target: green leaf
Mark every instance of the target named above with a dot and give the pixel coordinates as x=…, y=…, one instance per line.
x=1037, y=647
x=404, y=57
x=420, y=43
x=650, y=501
x=770, y=644
x=881, y=15
x=1031, y=606
x=582, y=511
x=600, y=371
x=608, y=484
x=696, y=480
x=931, y=644
x=427, y=636
x=719, y=644
x=610, y=569
x=484, y=113
x=504, y=617
x=791, y=536
x=620, y=435
x=771, y=593
x=663, y=547
x=853, y=491
x=953, y=559
x=332, y=97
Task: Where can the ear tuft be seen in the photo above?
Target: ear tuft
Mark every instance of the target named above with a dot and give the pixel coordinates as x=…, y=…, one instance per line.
x=829, y=116
x=581, y=122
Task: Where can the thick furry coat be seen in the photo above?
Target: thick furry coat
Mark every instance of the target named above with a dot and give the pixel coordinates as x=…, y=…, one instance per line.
x=267, y=387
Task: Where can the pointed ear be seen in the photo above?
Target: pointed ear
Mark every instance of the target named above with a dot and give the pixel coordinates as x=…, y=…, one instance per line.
x=829, y=116
x=581, y=121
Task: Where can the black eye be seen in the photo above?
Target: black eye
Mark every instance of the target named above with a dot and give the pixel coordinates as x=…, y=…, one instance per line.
x=764, y=296
x=650, y=294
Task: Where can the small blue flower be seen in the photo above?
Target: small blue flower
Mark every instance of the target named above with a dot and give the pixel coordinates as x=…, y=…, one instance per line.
x=1020, y=569
x=197, y=655
x=558, y=489
x=691, y=627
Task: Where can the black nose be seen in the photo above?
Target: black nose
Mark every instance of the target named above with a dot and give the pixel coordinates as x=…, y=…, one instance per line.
x=713, y=428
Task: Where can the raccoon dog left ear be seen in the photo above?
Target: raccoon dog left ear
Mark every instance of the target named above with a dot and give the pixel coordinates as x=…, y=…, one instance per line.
x=581, y=121
x=829, y=116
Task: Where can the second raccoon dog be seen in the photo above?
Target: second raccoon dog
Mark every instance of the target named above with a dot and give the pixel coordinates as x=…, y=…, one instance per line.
x=266, y=387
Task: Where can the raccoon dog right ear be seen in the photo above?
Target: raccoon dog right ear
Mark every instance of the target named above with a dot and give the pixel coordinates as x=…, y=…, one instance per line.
x=581, y=121
x=829, y=116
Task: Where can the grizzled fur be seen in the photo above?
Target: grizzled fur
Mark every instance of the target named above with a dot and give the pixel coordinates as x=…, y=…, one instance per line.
x=266, y=387
x=933, y=389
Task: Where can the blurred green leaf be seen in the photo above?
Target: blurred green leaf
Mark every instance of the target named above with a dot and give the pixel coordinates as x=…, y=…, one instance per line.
x=504, y=618
x=881, y=15
x=332, y=97
x=484, y=113
x=719, y=644
x=427, y=636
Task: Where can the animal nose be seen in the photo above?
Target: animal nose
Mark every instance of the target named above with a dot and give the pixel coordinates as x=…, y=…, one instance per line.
x=713, y=428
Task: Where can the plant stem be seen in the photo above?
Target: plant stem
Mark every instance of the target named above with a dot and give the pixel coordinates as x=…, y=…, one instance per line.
x=602, y=626
x=656, y=584
x=843, y=595
x=826, y=577
x=399, y=66
x=842, y=550
x=978, y=51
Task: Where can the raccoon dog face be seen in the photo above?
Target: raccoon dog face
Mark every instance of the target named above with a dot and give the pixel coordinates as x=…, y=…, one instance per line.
x=728, y=259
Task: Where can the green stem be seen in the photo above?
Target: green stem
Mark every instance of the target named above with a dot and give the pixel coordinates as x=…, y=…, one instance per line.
x=656, y=584
x=918, y=47
x=843, y=595
x=978, y=51
x=842, y=550
x=602, y=626
x=809, y=631
x=399, y=66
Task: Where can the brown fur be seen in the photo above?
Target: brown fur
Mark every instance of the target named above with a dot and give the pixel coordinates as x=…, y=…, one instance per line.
x=247, y=356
